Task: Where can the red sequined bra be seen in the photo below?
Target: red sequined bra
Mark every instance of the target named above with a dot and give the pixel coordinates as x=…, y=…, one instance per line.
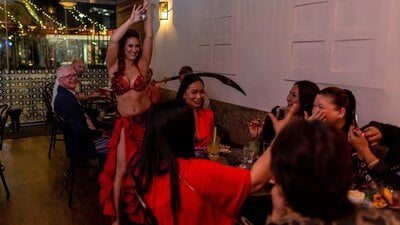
x=121, y=86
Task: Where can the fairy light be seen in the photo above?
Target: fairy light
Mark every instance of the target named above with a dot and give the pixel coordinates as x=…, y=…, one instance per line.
x=29, y=5
x=33, y=10
x=79, y=16
x=12, y=18
x=33, y=13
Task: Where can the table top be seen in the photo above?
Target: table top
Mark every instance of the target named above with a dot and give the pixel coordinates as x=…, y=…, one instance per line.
x=233, y=159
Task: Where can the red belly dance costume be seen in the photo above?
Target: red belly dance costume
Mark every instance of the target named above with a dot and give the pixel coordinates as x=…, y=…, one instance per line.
x=134, y=127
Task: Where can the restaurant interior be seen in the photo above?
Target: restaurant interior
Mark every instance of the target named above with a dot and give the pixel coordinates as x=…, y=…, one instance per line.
x=261, y=48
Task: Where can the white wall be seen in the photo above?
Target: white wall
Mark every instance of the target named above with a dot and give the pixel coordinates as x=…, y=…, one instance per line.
x=262, y=40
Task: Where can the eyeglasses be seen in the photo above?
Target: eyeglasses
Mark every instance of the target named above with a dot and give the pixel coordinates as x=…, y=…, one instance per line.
x=69, y=77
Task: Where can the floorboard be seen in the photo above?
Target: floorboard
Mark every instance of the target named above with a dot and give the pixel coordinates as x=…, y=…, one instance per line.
x=38, y=187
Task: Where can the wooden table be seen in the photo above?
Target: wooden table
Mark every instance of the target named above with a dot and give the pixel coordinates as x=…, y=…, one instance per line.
x=258, y=205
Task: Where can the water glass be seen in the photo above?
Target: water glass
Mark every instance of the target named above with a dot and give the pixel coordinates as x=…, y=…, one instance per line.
x=253, y=144
x=248, y=155
x=396, y=199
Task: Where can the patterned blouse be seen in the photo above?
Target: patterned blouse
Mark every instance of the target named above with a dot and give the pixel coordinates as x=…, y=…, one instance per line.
x=361, y=216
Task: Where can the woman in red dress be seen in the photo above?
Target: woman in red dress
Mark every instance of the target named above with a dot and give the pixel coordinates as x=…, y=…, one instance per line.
x=192, y=92
x=177, y=188
x=127, y=63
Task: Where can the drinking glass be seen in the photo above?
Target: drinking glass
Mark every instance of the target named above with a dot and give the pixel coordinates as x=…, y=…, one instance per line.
x=213, y=152
x=253, y=145
x=247, y=158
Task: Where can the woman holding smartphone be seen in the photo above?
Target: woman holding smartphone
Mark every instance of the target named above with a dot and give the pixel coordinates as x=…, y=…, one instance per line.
x=337, y=107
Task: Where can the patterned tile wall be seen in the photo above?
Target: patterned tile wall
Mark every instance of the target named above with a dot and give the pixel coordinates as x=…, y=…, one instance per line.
x=23, y=89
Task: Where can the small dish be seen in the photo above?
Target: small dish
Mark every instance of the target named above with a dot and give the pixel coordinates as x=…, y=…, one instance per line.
x=356, y=197
x=378, y=201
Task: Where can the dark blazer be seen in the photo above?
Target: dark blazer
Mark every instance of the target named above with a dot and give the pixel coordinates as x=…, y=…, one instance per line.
x=78, y=137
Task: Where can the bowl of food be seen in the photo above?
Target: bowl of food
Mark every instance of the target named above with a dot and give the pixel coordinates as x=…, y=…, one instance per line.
x=356, y=197
x=378, y=201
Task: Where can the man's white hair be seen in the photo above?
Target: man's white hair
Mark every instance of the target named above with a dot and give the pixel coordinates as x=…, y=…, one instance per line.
x=59, y=73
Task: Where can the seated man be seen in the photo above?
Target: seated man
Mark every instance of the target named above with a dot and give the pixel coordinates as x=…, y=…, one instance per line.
x=85, y=137
x=79, y=67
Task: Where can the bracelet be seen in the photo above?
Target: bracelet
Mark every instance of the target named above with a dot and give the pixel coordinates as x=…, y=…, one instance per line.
x=373, y=163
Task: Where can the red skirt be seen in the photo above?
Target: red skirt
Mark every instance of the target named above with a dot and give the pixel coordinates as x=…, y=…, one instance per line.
x=134, y=131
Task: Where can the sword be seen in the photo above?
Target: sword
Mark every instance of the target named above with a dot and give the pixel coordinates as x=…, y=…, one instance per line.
x=225, y=80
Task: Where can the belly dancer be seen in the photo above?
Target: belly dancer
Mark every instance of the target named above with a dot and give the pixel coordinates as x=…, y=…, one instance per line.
x=127, y=63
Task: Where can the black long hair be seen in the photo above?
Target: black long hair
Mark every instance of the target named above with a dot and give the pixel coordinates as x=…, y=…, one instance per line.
x=169, y=134
x=307, y=92
x=342, y=98
x=188, y=80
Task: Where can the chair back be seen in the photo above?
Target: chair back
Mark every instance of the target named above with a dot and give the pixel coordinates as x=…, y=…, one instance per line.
x=48, y=89
x=75, y=148
x=49, y=109
x=3, y=120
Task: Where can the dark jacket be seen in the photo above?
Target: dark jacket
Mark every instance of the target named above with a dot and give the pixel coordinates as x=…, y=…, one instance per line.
x=388, y=169
x=78, y=137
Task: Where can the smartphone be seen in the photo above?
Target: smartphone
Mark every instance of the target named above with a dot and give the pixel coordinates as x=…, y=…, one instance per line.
x=280, y=112
x=355, y=120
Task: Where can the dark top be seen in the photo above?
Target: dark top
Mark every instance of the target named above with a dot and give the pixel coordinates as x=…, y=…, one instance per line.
x=358, y=217
x=78, y=137
x=388, y=151
x=268, y=132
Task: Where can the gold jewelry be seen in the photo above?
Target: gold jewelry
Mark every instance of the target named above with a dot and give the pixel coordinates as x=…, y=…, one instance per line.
x=373, y=163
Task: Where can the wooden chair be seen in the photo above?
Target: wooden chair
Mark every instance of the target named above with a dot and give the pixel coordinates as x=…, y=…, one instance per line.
x=3, y=121
x=74, y=161
x=4, y=117
x=50, y=120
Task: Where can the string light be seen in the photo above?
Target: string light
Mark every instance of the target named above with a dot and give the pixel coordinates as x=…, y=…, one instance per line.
x=29, y=5
x=78, y=16
x=12, y=18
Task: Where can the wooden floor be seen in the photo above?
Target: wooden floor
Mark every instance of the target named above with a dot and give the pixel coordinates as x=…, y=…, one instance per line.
x=38, y=187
